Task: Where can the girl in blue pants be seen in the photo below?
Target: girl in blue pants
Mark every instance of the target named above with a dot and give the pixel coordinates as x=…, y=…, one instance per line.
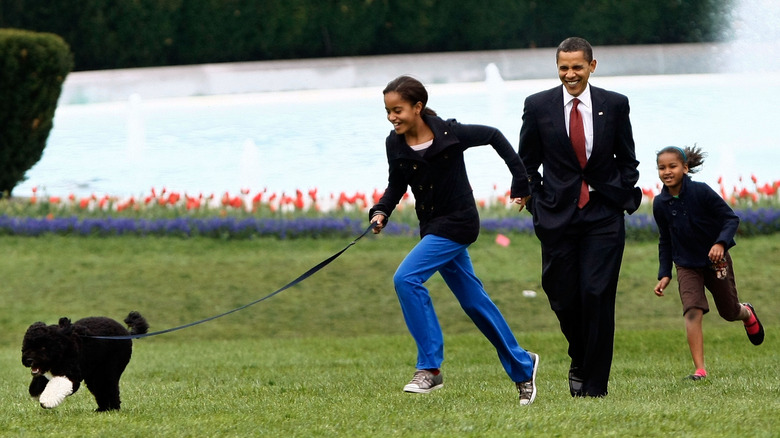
x=425, y=153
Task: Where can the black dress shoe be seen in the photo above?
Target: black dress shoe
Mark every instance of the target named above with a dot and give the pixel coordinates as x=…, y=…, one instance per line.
x=576, y=383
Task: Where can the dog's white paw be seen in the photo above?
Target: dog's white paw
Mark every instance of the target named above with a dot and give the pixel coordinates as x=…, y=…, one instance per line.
x=55, y=392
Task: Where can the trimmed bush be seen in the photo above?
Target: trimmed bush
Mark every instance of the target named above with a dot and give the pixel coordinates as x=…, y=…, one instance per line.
x=33, y=67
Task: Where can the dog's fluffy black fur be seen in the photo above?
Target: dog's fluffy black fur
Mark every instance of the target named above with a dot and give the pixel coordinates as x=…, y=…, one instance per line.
x=66, y=350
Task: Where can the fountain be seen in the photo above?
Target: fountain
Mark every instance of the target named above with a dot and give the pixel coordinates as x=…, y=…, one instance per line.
x=756, y=36
x=136, y=131
x=333, y=140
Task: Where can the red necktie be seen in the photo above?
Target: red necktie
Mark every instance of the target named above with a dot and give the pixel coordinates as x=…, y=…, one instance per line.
x=577, y=136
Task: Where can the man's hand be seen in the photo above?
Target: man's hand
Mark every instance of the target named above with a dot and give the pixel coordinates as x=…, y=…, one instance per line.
x=521, y=202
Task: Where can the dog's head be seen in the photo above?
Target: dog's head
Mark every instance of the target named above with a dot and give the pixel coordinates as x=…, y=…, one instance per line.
x=46, y=346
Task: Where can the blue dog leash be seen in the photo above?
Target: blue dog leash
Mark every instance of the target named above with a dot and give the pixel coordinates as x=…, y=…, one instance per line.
x=302, y=277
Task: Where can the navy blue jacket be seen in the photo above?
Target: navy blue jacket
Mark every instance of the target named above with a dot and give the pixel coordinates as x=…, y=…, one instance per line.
x=444, y=201
x=690, y=224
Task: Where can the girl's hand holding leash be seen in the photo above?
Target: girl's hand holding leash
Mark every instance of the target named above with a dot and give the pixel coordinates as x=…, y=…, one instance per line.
x=380, y=220
x=659, y=288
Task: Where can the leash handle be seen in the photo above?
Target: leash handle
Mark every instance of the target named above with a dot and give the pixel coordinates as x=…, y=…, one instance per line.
x=300, y=278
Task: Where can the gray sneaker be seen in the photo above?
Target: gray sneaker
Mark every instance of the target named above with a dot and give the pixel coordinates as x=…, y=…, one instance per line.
x=527, y=389
x=424, y=382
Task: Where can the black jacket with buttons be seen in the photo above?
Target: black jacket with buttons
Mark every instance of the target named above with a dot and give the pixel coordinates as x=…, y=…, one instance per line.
x=444, y=201
x=689, y=224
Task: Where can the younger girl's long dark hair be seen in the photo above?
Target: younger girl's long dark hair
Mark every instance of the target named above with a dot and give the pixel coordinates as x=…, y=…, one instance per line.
x=690, y=155
x=411, y=90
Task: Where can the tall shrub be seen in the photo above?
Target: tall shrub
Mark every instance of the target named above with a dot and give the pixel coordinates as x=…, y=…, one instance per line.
x=33, y=67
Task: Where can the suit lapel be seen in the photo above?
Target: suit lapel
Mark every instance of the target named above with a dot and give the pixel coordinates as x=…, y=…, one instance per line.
x=599, y=101
x=559, y=122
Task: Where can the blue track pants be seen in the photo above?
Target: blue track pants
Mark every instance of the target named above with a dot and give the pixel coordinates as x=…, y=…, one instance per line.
x=452, y=261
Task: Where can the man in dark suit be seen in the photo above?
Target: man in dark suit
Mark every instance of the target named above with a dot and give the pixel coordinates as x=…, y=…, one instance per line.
x=578, y=200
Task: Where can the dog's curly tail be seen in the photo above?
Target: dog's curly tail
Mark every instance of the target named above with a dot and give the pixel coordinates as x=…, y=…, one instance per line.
x=136, y=323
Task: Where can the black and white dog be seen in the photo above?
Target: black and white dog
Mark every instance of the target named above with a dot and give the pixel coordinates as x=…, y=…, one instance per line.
x=61, y=356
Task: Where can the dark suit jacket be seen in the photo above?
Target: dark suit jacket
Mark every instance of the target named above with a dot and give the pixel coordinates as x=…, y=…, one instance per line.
x=611, y=169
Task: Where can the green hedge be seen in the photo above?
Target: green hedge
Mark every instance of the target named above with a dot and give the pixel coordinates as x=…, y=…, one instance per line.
x=33, y=67
x=135, y=33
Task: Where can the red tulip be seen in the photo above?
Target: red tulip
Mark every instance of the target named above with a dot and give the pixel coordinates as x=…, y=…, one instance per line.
x=377, y=195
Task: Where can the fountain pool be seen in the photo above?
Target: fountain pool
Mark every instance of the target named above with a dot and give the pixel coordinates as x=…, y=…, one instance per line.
x=333, y=140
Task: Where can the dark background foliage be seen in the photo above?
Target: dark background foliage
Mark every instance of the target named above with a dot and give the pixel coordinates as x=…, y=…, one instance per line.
x=107, y=34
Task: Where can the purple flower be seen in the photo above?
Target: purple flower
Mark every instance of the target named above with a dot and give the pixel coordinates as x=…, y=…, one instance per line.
x=638, y=226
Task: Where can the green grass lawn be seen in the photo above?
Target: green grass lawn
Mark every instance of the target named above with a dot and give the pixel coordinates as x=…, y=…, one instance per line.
x=329, y=357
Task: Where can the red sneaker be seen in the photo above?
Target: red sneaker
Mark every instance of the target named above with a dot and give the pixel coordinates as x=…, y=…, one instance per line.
x=758, y=337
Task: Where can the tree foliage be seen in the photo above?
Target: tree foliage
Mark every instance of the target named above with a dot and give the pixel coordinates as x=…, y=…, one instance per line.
x=139, y=33
x=33, y=67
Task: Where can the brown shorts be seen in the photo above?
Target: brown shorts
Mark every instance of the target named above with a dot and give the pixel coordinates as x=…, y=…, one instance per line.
x=692, y=281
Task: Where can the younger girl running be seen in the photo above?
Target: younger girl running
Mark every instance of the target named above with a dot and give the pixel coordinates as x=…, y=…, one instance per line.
x=696, y=229
x=425, y=152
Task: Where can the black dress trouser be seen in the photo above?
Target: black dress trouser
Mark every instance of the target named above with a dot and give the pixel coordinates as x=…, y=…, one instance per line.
x=580, y=270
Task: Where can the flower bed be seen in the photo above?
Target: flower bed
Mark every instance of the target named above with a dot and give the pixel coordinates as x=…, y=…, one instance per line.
x=262, y=214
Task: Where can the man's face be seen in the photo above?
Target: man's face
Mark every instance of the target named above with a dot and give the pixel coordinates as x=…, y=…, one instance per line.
x=574, y=71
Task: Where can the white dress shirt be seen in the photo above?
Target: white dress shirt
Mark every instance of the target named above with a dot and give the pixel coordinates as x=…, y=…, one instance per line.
x=586, y=110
